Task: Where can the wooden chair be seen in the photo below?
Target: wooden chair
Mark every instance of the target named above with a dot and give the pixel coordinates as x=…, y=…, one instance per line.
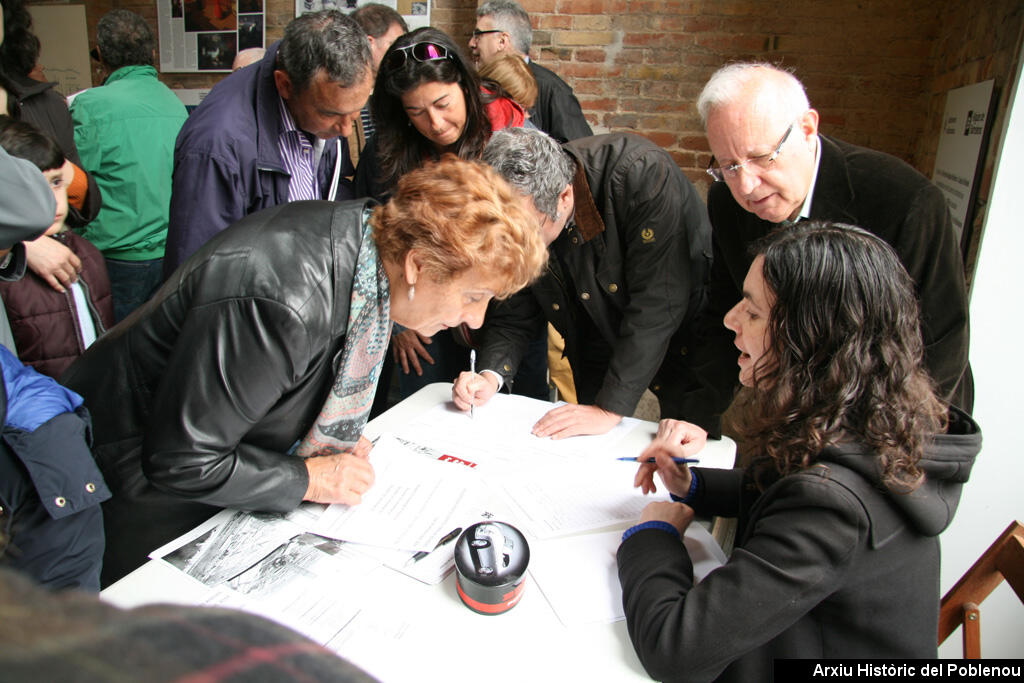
x=1003, y=560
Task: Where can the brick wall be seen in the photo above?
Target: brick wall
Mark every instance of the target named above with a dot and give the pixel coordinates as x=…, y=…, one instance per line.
x=877, y=71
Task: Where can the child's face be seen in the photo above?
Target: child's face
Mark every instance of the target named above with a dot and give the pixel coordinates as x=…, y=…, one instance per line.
x=59, y=179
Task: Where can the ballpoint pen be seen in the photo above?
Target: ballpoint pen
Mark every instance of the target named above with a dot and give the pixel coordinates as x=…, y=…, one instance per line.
x=472, y=371
x=447, y=538
x=678, y=461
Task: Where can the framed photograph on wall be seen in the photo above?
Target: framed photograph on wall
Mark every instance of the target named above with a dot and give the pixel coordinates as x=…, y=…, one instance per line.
x=205, y=35
x=416, y=14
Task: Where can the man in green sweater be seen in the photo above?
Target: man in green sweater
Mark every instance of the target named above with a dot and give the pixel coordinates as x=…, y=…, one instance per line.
x=125, y=132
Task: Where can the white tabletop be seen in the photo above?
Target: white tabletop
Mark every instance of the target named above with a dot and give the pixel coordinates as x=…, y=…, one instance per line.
x=432, y=635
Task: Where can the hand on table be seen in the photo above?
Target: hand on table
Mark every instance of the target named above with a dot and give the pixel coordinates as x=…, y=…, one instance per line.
x=473, y=388
x=408, y=346
x=678, y=515
x=340, y=477
x=574, y=420
x=52, y=261
x=675, y=438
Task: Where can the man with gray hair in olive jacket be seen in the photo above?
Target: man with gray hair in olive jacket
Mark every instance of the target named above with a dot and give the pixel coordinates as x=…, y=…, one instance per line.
x=629, y=246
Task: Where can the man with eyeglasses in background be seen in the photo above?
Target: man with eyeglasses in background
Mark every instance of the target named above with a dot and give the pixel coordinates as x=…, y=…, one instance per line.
x=271, y=134
x=772, y=167
x=503, y=27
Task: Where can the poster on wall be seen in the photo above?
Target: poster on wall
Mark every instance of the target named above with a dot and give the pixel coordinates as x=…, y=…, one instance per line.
x=415, y=12
x=958, y=161
x=205, y=35
x=64, y=43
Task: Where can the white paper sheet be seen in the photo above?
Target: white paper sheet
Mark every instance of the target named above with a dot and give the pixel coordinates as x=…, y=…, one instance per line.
x=555, y=501
x=579, y=575
x=499, y=437
x=413, y=502
x=268, y=565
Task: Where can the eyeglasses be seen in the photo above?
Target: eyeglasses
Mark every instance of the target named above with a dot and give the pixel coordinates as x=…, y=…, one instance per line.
x=477, y=32
x=763, y=161
x=421, y=52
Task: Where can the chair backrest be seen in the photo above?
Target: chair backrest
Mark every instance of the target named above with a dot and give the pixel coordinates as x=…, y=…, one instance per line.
x=1003, y=560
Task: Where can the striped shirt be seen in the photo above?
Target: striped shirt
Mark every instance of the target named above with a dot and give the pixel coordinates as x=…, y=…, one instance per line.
x=367, y=120
x=301, y=156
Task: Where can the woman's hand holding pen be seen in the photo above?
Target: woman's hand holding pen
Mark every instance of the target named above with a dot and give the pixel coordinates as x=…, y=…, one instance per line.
x=675, y=439
x=340, y=477
x=473, y=388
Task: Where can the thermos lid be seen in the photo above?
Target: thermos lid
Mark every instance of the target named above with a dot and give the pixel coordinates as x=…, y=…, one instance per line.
x=490, y=562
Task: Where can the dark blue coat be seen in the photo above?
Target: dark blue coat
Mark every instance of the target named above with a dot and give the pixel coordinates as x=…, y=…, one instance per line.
x=227, y=164
x=51, y=526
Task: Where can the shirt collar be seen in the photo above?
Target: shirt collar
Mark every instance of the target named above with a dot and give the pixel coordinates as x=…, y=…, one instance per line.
x=805, y=210
x=287, y=122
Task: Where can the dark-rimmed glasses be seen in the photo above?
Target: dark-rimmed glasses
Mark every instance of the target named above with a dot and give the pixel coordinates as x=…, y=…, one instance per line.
x=762, y=161
x=421, y=52
x=477, y=32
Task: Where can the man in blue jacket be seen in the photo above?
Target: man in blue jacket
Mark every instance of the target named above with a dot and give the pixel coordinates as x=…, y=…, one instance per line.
x=271, y=133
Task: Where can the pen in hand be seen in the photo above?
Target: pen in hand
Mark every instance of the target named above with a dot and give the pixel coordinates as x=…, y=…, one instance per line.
x=678, y=461
x=472, y=371
x=447, y=538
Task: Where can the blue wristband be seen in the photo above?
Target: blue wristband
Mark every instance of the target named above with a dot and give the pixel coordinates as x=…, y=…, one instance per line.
x=689, y=494
x=653, y=524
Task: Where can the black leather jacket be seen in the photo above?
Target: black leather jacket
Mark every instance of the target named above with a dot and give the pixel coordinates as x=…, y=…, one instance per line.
x=199, y=394
x=634, y=260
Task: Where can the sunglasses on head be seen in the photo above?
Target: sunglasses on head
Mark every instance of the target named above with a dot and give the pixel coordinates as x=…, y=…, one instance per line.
x=421, y=52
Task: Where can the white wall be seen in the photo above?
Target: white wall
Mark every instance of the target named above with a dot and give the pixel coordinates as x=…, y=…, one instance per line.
x=995, y=493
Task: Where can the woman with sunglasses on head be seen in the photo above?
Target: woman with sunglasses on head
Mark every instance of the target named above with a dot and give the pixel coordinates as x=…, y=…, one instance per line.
x=428, y=100
x=857, y=468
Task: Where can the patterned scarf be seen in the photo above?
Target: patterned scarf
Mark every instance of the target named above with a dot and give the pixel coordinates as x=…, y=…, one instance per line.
x=341, y=420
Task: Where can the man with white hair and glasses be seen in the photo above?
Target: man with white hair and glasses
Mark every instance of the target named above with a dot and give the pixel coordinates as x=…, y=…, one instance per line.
x=772, y=167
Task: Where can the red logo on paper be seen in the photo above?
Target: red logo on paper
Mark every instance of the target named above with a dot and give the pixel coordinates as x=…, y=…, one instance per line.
x=452, y=458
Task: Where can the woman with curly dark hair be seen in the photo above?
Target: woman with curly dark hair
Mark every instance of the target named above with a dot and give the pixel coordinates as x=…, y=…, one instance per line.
x=858, y=468
x=428, y=101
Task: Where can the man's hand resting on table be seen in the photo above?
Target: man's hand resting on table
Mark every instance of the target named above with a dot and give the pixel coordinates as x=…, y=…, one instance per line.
x=408, y=347
x=575, y=420
x=341, y=477
x=473, y=388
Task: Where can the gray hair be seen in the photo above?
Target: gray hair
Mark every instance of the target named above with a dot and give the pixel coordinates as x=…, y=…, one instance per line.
x=327, y=40
x=124, y=39
x=533, y=163
x=733, y=81
x=510, y=17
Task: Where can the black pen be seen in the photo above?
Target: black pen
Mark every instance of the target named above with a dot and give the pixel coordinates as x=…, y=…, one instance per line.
x=447, y=538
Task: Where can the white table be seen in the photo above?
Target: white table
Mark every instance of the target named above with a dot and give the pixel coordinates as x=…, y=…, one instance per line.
x=448, y=641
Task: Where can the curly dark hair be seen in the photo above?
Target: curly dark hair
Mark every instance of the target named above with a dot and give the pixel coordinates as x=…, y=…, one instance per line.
x=20, y=50
x=844, y=362
x=400, y=147
x=124, y=39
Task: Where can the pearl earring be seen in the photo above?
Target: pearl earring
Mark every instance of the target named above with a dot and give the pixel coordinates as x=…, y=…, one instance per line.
x=412, y=292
